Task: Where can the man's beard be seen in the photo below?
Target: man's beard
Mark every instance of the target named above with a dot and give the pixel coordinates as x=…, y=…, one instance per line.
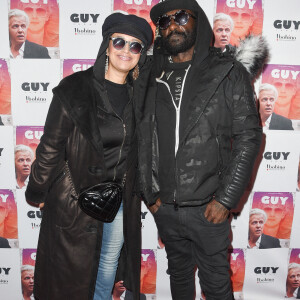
x=180, y=47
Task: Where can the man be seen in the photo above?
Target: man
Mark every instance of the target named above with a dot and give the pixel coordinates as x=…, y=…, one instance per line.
x=294, y=113
x=148, y=274
x=293, y=281
x=287, y=89
x=243, y=19
x=121, y=293
x=5, y=89
x=8, y=219
x=141, y=10
x=23, y=161
x=223, y=26
x=27, y=280
x=275, y=225
x=18, y=23
x=267, y=97
x=196, y=103
x=38, y=14
x=237, y=268
x=258, y=240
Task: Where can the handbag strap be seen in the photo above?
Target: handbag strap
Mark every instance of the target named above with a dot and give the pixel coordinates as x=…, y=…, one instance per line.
x=123, y=180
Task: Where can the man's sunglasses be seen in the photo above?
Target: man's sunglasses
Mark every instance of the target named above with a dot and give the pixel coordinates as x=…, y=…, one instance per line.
x=181, y=17
x=134, y=47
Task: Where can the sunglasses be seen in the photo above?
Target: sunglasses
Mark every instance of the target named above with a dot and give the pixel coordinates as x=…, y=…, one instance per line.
x=134, y=47
x=181, y=17
x=245, y=17
x=40, y=12
x=286, y=85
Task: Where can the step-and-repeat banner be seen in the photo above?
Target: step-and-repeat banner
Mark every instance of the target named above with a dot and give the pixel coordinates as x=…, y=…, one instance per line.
x=63, y=37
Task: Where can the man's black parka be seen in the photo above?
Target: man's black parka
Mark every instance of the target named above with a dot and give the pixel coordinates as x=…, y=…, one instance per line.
x=220, y=133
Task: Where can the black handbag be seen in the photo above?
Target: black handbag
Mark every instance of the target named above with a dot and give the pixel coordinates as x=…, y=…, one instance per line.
x=101, y=201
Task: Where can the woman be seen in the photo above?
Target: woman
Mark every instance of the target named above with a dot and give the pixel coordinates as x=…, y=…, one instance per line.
x=89, y=138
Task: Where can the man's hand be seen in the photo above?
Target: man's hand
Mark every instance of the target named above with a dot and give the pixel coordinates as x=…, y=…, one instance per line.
x=216, y=212
x=41, y=205
x=154, y=208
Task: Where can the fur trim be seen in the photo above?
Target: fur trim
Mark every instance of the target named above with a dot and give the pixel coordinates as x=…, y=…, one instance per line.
x=253, y=53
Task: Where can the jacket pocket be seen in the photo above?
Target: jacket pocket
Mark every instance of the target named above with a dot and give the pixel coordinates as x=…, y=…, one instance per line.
x=158, y=210
x=58, y=179
x=203, y=218
x=63, y=200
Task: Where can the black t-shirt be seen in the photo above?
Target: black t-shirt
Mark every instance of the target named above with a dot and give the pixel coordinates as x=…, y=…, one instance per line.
x=166, y=124
x=174, y=77
x=116, y=134
x=117, y=95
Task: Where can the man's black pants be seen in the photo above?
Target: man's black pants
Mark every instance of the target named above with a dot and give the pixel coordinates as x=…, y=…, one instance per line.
x=190, y=241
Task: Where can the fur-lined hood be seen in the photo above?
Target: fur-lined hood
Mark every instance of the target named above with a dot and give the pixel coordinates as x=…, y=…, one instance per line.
x=253, y=52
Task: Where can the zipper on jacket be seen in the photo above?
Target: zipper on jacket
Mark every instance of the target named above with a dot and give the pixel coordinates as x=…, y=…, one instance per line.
x=120, y=152
x=219, y=156
x=177, y=109
x=175, y=190
x=124, y=135
x=174, y=201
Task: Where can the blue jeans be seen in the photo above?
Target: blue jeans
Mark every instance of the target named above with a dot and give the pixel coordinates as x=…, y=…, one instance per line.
x=112, y=242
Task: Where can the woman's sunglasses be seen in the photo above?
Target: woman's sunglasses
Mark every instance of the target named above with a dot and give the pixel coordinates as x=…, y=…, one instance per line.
x=134, y=47
x=181, y=17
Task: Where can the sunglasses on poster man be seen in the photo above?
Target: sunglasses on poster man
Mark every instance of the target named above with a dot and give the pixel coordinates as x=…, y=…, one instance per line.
x=181, y=18
x=40, y=12
x=134, y=47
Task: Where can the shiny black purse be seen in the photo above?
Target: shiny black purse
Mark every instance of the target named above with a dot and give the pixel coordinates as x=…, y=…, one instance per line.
x=101, y=201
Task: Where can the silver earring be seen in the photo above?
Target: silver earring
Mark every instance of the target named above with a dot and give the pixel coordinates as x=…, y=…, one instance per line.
x=106, y=64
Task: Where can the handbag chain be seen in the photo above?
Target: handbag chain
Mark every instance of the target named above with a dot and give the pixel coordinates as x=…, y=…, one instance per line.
x=123, y=180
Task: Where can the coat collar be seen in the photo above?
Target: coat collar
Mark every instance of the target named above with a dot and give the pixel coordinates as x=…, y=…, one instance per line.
x=78, y=96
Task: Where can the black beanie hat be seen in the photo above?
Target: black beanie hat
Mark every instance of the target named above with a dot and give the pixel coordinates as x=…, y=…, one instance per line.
x=163, y=7
x=130, y=25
